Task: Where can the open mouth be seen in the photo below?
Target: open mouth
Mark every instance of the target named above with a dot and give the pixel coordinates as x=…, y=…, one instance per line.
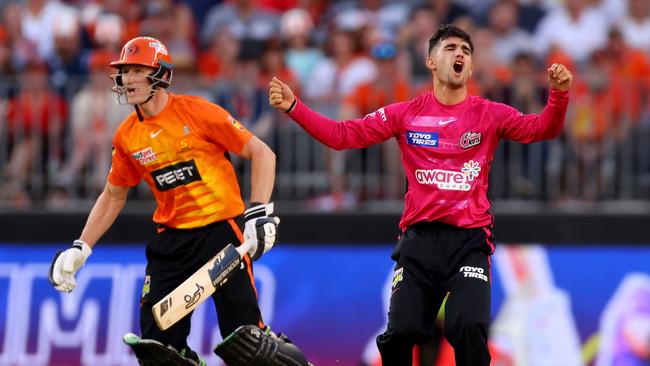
x=458, y=66
x=131, y=91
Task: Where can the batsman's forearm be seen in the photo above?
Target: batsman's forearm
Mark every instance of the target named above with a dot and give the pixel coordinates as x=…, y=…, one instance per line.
x=101, y=217
x=262, y=174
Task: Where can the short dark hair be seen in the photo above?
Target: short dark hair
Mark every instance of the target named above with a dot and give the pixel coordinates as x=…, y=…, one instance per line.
x=446, y=31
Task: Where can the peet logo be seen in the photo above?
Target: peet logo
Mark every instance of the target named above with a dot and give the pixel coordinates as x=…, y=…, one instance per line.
x=470, y=139
x=145, y=156
x=416, y=138
x=176, y=175
x=449, y=179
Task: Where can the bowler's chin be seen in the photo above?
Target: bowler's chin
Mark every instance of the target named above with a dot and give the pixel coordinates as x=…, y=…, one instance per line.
x=456, y=84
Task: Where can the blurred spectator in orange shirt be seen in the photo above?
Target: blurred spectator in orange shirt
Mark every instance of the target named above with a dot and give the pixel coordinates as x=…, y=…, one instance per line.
x=386, y=88
x=35, y=121
x=94, y=116
x=593, y=123
x=629, y=68
x=219, y=60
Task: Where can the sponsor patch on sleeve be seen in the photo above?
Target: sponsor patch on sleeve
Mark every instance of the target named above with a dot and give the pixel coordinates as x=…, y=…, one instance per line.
x=417, y=138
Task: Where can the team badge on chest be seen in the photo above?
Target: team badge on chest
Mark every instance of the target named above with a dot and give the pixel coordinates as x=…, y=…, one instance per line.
x=470, y=139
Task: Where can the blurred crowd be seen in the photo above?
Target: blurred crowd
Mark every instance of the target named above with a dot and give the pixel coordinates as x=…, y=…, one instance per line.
x=346, y=59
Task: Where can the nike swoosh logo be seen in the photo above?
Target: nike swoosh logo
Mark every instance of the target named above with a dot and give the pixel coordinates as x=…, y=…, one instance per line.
x=447, y=121
x=155, y=134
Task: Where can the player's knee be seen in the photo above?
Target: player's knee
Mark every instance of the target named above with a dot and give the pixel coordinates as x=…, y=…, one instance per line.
x=465, y=329
x=251, y=346
x=409, y=329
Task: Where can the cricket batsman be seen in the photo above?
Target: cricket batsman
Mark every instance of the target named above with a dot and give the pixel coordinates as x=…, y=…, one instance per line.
x=180, y=146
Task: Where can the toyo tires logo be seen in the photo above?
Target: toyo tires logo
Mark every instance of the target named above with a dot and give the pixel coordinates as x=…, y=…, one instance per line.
x=449, y=179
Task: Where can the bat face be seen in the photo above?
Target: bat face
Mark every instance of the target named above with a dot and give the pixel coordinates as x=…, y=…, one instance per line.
x=198, y=287
x=194, y=299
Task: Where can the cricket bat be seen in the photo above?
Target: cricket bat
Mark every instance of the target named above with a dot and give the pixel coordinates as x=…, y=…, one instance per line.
x=199, y=286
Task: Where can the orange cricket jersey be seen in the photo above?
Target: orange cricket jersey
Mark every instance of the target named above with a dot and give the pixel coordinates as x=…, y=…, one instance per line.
x=181, y=154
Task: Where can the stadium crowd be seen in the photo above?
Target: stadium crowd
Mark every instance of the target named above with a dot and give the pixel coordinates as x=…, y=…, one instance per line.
x=346, y=58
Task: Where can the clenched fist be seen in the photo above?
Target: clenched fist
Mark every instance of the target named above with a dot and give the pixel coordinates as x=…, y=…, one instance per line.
x=281, y=96
x=559, y=77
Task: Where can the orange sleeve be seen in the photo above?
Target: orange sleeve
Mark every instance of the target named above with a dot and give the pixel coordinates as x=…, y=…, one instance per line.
x=123, y=172
x=224, y=129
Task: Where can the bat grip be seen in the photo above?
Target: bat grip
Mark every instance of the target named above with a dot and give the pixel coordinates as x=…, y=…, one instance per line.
x=245, y=247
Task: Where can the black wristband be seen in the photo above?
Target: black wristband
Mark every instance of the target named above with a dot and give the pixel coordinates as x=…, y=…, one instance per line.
x=255, y=209
x=292, y=106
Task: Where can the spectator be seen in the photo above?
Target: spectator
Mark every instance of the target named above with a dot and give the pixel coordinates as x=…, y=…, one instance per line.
x=447, y=11
x=243, y=96
x=385, y=17
x=530, y=13
x=67, y=63
x=243, y=18
x=38, y=19
x=576, y=28
x=386, y=88
x=35, y=119
x=94, y=116
x=417, y=31
x=333, y=79
x=340, y=73
x=219, y=60
x=593, y=120
x=635, y=25
x=509, y=39
x=301, y=57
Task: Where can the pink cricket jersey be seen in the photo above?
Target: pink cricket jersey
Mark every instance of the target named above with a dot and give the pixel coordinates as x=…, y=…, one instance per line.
x=446, y=150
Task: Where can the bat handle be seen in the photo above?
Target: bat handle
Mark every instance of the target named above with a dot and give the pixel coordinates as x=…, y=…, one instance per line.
x=245, y=247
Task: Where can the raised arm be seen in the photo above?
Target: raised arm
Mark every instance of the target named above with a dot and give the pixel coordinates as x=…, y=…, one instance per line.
x=374, y=128
x=548, y=124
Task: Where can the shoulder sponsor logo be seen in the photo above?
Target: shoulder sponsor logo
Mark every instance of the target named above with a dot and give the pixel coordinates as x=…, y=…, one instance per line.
x=417, y=138
x=449, y=179
x=145, y=156
x=381, y=112
x=176, y=175
x=235, y=122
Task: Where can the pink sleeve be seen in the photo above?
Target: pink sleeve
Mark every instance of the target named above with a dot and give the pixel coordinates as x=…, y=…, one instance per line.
x=526, y=128
x=375, y=127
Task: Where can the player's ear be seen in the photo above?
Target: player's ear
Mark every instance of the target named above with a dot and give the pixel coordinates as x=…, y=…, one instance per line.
x=431, y=63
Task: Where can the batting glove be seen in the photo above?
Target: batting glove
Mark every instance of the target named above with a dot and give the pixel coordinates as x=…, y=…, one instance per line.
x=65, y=265
x=261, y=228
